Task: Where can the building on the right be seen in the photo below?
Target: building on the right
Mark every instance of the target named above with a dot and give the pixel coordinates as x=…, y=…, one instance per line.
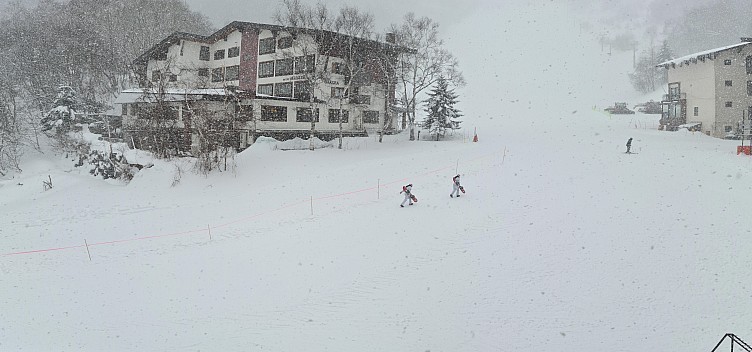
x=710, y=91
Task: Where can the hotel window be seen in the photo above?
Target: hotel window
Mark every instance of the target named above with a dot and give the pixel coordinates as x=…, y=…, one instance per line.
x=338, y=92
x=336, y=114
x=219, y=54
x=218, y=75
x=233, y=52
x=748, y=64
x=370, y=117
x=728, y=83
x=283, y=90
x=284, y=43
x=266, y=69
x=697, y=111
x=203, y=72
x=727, y=128
x=267, y=46
x=729, y=104
x=727, y=62
x=305, y=64
x=266, y=89
x=302, y=90
x=749, y=88
x=124, y=109
x=232, y=73
x=173, y=77
x=284, y=67
x=338, y=68
x=273, y=113
x=156, y=75
x=203, y=55
x=306, y=115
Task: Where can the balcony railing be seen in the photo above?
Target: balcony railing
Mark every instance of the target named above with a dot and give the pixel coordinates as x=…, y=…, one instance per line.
x=672, y=97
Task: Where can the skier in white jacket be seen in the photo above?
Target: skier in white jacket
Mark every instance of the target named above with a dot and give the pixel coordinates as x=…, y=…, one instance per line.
x=456, y=187
x=408, y=195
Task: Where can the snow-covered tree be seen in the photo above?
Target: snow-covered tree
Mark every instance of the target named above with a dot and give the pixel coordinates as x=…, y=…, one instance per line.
x=441, y=113
x=646, y=76
x=62, y=117
x=419, y=69
x=664, y=54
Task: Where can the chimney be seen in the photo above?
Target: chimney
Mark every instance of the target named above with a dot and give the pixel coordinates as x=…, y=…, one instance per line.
x=746, y=40
x=391, y=38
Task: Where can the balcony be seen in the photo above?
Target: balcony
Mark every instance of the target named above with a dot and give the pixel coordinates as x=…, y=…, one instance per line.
x=674, y=97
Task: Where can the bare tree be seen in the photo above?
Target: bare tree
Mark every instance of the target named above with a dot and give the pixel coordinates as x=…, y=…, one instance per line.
x=355, y=28
x=419, y=70
x=311, y=27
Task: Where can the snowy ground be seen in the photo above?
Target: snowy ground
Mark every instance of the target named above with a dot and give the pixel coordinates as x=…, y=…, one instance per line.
x=563, y=242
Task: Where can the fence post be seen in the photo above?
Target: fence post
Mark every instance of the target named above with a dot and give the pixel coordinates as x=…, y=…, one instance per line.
x=87, y=249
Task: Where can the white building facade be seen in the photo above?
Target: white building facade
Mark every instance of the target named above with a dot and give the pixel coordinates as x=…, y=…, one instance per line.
x=710, y=90
x=264, y=80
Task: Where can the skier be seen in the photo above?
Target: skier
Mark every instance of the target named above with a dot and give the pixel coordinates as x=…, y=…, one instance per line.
x=456, y=187
x=409, y=197
x=629, y=145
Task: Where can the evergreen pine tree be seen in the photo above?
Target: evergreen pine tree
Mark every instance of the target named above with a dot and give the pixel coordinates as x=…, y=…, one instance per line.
x=62, y=116
x=442, y=114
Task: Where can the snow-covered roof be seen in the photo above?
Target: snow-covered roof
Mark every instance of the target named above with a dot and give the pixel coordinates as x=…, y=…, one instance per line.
x=701, y=54
x=149, y=95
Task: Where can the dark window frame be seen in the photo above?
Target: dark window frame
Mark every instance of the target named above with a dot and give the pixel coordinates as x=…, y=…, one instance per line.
x=373, y=118
x=279, y=86
x=219, y=54
x=267, y=46
x=233, y=52
x=305, y=64
x=696, y=111
x=727, y=62
x=273, y=113
x=232, y=73
x=217, y=75
x=301, y=90
x=204, y=54
x=338, y=68
x=283, y=67
x=749, y=88
x=305, y=114
x=265, y=86
x=748, y=64
x=334, y=90
x=728, y=83
x=261, y=70
x=284, y=42
x=344, y=115
x=729, y=104
x=203, y=72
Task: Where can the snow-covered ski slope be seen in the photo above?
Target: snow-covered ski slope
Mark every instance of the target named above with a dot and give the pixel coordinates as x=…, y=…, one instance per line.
x=562, y=242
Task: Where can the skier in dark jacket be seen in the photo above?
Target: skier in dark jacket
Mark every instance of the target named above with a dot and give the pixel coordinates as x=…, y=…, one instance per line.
x=629, y=144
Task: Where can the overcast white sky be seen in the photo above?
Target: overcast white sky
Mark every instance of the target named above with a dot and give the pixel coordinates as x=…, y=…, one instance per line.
x=446, y=12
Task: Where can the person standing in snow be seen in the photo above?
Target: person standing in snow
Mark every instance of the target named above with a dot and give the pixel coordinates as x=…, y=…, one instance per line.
x=629, y=144
x=456, y=187
x=407, y=190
